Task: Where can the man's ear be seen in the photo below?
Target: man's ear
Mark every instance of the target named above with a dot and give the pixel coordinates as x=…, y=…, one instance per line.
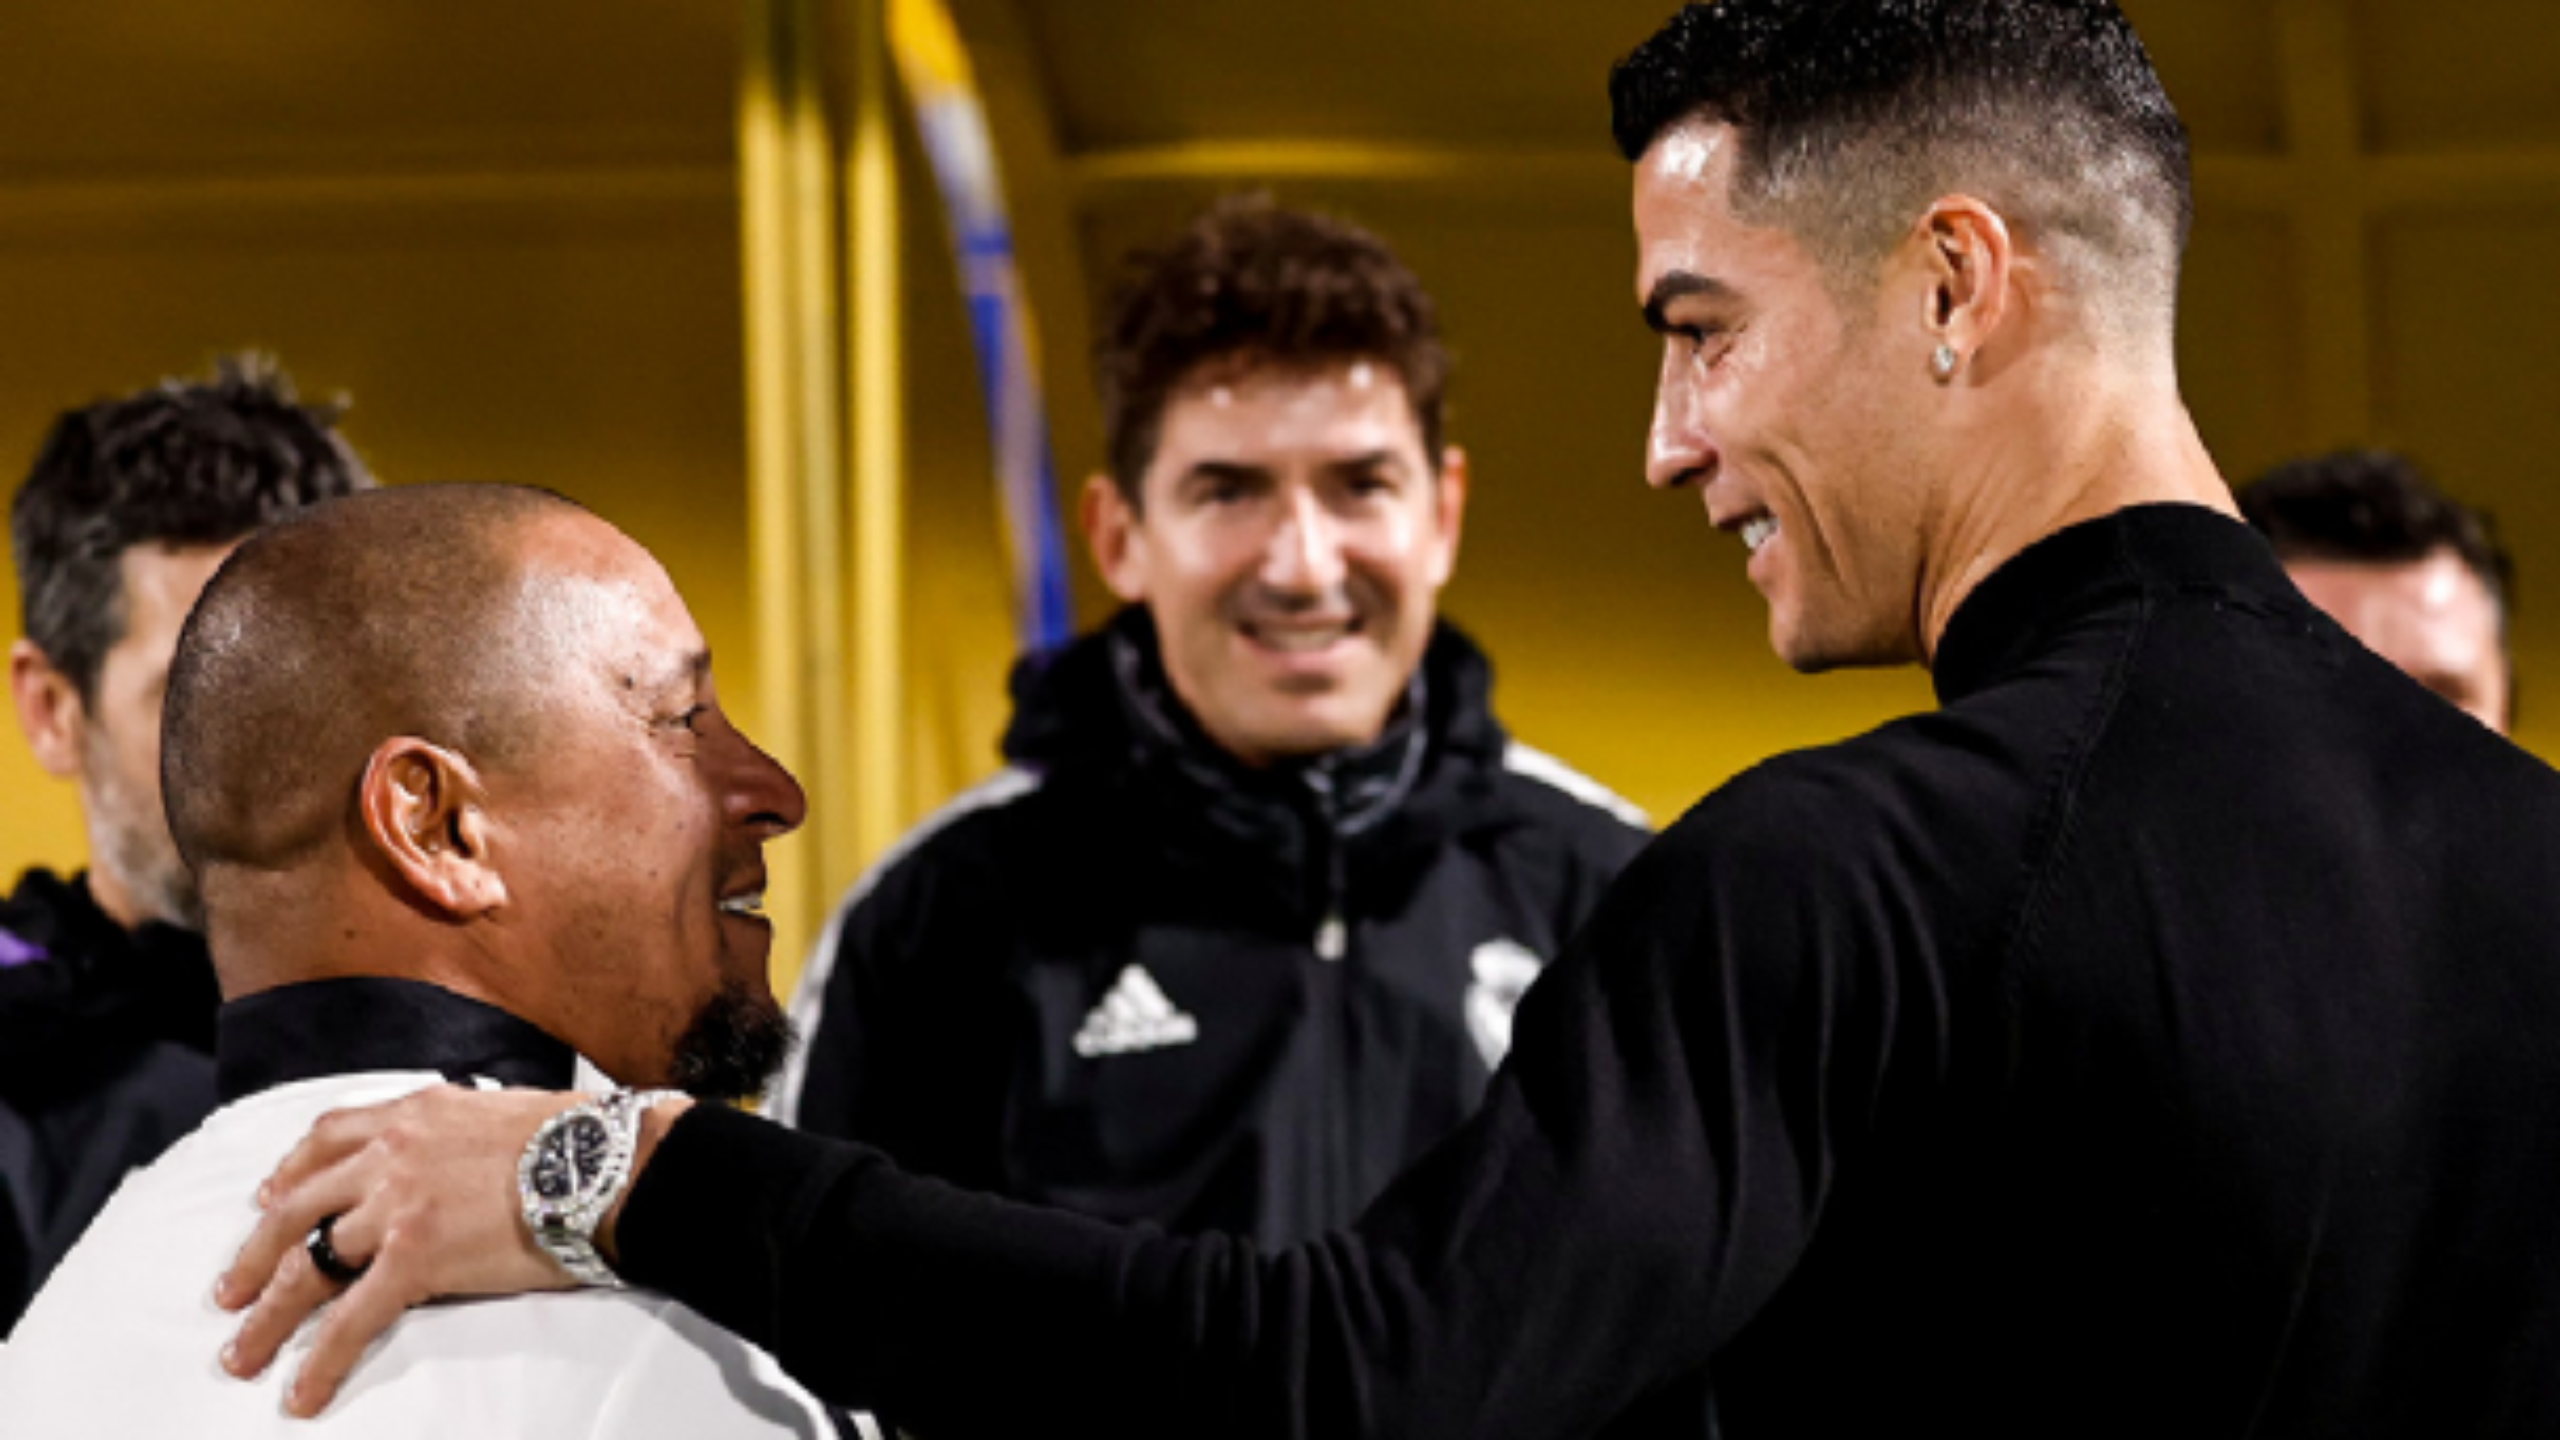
x=1970, y=262
x=49, y=709
x=1110, y=528
x=425, y=814
x=1451, y=487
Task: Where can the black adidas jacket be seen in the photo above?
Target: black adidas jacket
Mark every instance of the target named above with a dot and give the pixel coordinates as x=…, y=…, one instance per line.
x=106, y=1059
x=1133, y=978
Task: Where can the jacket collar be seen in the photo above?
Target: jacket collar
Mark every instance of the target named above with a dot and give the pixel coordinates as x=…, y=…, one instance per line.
x=1099, y=710
x=1101, y=704
x=2090, y=567
x=339, y=1027
x=1353, y=788
x=74, y=980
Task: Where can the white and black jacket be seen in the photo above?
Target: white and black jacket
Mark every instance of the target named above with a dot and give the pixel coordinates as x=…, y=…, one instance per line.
x=1131, y=977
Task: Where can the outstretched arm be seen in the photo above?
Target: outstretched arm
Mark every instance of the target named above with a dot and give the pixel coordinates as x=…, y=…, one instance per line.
x=1642, y=1177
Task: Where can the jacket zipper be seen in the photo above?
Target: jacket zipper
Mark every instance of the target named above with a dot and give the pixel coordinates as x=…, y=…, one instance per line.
x=1332, y=945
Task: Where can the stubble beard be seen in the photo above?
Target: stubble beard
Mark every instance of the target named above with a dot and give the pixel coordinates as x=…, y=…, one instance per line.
x=130, y=840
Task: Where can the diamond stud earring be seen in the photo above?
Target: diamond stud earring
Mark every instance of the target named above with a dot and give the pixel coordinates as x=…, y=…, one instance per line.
x=1943, y=362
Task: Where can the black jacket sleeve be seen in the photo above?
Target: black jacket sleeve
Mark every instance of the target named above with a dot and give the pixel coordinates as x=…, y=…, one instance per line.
x=1684, y=1086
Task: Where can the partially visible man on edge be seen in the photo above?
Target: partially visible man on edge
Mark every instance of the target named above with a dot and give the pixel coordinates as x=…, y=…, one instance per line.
x=1238, y=933
x=106, y=997
x=2415, y=574
x=2123, y=1048
x=451, y=766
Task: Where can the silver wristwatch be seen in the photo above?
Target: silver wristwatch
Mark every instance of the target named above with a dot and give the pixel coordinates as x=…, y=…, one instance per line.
x=573, y=1170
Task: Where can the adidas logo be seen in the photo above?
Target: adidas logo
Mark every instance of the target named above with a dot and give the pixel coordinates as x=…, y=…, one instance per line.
x=1134, y=1016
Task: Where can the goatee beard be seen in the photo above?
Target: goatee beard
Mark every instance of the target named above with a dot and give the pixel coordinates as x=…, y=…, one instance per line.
x=733, y=1047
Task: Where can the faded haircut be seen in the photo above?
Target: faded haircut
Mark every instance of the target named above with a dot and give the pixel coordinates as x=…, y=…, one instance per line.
x=389, y=613
x=1854, y=115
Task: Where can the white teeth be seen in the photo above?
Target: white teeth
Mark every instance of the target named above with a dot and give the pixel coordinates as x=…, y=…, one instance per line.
x=744, y=904
x=1300, y=640
x=1759, y=531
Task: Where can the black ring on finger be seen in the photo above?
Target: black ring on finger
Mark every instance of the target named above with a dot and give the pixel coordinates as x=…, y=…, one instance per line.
x=325, y=1257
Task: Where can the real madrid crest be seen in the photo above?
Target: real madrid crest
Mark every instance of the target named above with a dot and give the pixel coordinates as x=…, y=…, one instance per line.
x=1502, y=971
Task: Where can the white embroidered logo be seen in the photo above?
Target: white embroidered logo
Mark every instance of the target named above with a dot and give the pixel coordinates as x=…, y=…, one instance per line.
x=1503, y=970
x=1134, y=1016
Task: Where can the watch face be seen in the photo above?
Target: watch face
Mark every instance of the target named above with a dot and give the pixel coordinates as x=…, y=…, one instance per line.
x=573, y=1156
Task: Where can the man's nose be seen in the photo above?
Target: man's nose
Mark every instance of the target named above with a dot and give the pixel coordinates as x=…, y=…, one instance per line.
x=1305, y=553
x=764, y=796
x=1677, y=450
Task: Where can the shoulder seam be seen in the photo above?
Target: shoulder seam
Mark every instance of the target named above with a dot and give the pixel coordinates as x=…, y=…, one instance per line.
x=2056, y=823
x=1531, y=763
x=809, y=999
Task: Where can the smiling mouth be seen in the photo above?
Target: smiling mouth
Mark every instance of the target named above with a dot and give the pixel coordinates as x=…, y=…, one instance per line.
x=1759, y=530
x=1300, y=639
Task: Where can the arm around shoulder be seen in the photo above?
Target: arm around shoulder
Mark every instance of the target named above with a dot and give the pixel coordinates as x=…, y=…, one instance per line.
x=1640, y=1179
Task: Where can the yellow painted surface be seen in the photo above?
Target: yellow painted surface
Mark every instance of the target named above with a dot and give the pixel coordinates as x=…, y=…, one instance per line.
x=768, y=109
x=598, y=352
x=876, y=282
x=529, y=343
x=575, y=318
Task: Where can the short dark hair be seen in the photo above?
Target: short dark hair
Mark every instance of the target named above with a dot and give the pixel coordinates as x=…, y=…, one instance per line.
x=2374, y=507
x=1258, y=284
x=398, y=612
x=182, y=463
x=1855, y=114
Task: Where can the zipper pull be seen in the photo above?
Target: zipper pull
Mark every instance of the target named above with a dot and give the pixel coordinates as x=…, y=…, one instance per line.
x=1332, y=937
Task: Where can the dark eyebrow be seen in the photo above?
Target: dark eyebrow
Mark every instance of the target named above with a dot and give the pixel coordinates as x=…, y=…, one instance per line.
x=1365, y=463
x=1675, y=285
x=1227, y=470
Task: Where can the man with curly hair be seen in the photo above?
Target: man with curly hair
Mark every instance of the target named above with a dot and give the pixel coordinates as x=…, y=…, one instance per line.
x=1238, y=932
x=106, y=995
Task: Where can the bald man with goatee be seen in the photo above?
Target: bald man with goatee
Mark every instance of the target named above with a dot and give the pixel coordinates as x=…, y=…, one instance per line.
x=449, y=764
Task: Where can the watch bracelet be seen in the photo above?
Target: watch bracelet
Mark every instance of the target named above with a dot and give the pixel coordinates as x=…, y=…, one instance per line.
x=566, y=1232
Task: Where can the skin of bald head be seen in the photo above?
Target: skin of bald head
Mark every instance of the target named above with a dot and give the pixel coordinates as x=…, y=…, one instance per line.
x=467, y=735
x=329, y=633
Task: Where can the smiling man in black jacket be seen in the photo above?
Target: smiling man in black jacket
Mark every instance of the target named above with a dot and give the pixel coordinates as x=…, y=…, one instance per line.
x=2156, y=1038
x=1238, y=932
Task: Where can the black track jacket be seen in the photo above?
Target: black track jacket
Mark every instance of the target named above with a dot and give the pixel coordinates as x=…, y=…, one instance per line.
x=2160, y=1038
x=106, y=1059
x=1133, y=978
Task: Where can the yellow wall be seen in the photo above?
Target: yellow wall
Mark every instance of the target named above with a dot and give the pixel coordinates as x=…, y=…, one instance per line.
x=508, y=236
x=583, y=347
x=2379, y=195
x=585, y=333
x=591, y=346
